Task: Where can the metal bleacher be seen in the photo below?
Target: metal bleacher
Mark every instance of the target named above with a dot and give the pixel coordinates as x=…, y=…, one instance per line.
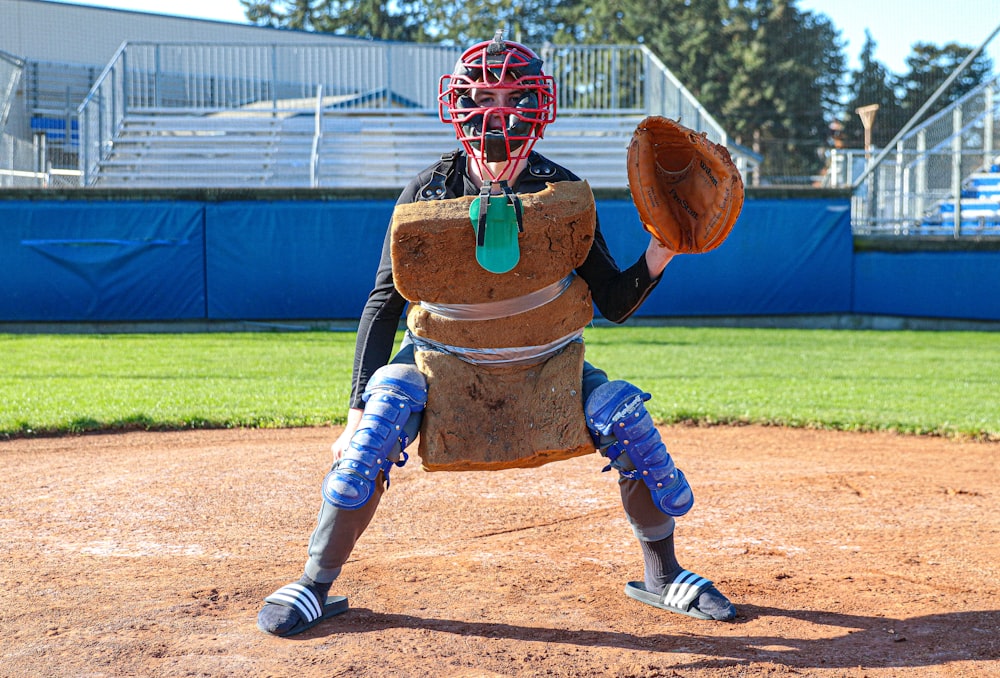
x=312, y=121
x=234, y=150
x=154, y=150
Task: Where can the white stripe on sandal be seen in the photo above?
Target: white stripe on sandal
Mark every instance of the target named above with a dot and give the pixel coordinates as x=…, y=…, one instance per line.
x=299, y=597
x=684, y=589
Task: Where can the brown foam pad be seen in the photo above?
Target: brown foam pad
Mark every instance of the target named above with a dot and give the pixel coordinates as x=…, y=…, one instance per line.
x=434, y=246
x=489, y=418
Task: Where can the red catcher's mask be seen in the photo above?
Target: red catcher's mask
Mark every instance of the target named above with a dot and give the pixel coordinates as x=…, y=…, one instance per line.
x=501, y=129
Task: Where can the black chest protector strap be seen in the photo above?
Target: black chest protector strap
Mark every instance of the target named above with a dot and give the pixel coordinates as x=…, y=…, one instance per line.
x=436, y=187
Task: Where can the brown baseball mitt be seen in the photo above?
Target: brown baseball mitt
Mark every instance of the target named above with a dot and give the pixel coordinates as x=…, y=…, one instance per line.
x=687, y=190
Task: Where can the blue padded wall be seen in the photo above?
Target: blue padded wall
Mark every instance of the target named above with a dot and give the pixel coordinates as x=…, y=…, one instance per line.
x=958, y=285
x=101, y=261
x=292, y=260
x=119, y=260
x=782, y=257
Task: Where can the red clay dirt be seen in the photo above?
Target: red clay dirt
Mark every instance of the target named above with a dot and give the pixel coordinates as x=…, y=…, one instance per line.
x=847, y=554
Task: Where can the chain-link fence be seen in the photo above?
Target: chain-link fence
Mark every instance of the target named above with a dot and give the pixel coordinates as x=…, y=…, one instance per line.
x=909, y=191
x=937, y=179
x=28, y=164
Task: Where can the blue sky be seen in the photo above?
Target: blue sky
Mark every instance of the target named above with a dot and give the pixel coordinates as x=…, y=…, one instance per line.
x=895, y=24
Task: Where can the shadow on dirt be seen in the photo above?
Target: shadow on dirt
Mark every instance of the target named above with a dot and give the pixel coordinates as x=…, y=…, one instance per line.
x=847, y=640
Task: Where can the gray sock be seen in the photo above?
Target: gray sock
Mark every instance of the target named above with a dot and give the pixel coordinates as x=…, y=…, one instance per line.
x=660, y=563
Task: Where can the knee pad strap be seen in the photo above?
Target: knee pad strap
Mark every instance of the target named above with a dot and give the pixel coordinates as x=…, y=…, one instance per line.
x=616, y=409
x=393, y=393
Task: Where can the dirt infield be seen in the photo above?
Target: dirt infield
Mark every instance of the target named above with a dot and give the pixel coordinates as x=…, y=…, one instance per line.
x=147, y=554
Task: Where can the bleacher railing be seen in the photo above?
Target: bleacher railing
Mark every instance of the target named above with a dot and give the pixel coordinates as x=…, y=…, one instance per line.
x=280, y=80
x=921, y=183
x=10, y=72
x=917, y=184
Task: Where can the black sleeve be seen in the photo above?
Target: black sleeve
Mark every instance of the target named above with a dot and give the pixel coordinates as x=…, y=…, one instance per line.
x=377, y=328
x=616, y=293
x=380, y=316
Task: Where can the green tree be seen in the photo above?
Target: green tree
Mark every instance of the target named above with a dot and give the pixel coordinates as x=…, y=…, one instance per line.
x=295, y=14
x=871, y=84
x=689, y=37
x=531, y=22
x=900, y=97
x=785, y=83
x=930, y=66
x=373, y=19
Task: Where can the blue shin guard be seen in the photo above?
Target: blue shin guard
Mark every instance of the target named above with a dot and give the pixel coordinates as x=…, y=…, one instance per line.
x=393, y=393
x=615, y=409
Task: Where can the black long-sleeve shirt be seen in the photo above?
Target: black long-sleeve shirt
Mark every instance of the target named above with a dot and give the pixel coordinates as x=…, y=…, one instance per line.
x=616, y=293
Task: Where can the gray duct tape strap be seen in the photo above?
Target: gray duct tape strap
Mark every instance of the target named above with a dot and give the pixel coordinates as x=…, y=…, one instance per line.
x=519, y=355
x=501, y=309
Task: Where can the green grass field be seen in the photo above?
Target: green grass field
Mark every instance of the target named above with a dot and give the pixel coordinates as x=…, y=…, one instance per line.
x=944, y=383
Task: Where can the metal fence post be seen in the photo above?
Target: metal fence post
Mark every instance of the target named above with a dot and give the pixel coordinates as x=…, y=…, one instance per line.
x=156, y=77
x=388, y=77
x=899, y=182
x=615, y=65
x=956, y=167
x=989, y=106
x=920, y=187
x=317, y=136
x=274, y=80
x=125, y=83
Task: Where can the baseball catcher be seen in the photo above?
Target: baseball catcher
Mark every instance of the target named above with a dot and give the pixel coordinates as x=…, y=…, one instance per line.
x=496, y=256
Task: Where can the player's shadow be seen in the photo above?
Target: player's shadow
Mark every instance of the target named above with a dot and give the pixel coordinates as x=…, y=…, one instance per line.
x=835, y=640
